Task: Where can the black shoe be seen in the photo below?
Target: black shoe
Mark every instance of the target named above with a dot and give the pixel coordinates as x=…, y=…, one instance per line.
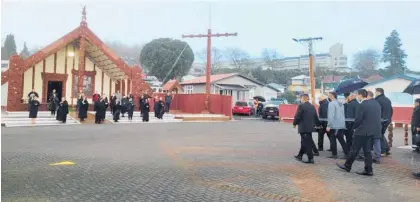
x=316, y=154
x=299, y=158
x=342, y=166
x=388, y=153
x=365, y=173
x=309, y=161
x=333, y=157
x=376, y=161
x=417, y=175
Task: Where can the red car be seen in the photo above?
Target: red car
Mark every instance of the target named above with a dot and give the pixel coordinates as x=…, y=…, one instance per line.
x=242, y=107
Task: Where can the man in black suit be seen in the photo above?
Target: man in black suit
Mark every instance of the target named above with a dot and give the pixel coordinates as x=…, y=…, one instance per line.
x=386, y=116
x=306, y=119
x=323, y=114
x=366, y=125
x=350, y=108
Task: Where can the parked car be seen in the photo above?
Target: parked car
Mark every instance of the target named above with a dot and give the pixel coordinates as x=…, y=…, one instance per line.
x=271, y=109
x=243, y=107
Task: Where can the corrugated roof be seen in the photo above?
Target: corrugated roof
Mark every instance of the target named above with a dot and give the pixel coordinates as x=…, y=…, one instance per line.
x=397, y=76
x=213, y=78
x=332, y=79
x=171, y=84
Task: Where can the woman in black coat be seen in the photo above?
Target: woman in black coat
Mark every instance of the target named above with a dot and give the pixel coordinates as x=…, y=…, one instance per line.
x=83, y=108
x=145, y=110
x=34, y=107
x=63, y=110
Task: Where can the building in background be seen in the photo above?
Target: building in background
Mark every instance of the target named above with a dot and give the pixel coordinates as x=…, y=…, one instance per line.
x=300, y=84
x=4, y=65
x=279, y=87
x=329, y=82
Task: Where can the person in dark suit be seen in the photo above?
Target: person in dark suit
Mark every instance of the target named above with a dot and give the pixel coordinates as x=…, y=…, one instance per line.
x=366, y=125
x=306, y=119
x=323, y=114
x=386, y=116
x=350, y=108
x=415, y=123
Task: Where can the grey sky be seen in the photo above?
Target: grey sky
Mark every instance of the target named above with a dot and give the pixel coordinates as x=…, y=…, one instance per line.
x=260, y=24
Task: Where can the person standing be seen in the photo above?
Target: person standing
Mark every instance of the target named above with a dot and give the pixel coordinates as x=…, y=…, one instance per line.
x=124, y=101
x=118, y=96
x=117, y=111
x=155, y=106
x=106, y=104
x=323, y=115
x=83, y=108
x=53, y=102
x=386, y=115
x=34, y=107
x=98, y=107
x=160, y=108
x=336, y=124
x=168, y=100
x=113, y=102
x=63, y=110
x=31, y=96
x=415, y=124
x=350, y=113
x=366, y=125
x=141, y=103
x=306, y=119
x=130, y=109
x=145, y=110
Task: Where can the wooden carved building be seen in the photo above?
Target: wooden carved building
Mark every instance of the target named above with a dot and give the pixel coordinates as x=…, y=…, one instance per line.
x=77, y=62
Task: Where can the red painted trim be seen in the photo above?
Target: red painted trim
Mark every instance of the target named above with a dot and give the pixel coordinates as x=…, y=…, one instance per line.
x=65, y=60
x=102, y=84
x=53, y=77
x=55, y=62
x=110, y=87
x=33, y=77
x=43, y=66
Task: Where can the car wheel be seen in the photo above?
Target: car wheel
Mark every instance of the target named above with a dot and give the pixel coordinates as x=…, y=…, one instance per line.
x=264, y=116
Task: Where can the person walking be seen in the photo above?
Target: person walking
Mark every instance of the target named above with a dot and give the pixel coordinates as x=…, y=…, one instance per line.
x=415, y=124
x=168, y=100
x=386, y=115
x=306, y=119
x=366, y=125
x=336, y=124
x=323, y=115
x=350, y=108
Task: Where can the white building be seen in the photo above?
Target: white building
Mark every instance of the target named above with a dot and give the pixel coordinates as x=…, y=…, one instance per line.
x=238, y=86
x=4, y=65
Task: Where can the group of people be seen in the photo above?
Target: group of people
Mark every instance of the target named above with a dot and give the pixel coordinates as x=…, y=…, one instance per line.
x=57, y=107
x=359, y=123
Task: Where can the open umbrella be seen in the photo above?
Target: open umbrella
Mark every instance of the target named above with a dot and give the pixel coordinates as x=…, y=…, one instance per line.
x=350, y=85
x=413, y=88
x=260, y=98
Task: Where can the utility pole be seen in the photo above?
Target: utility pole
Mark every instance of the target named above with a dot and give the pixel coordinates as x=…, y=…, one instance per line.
x=309, y=42
x=209, y=35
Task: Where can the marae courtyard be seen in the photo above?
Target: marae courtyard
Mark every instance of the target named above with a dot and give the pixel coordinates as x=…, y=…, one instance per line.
x=247, y=160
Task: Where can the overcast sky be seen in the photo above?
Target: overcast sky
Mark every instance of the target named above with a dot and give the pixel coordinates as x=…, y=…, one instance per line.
x=260, y=24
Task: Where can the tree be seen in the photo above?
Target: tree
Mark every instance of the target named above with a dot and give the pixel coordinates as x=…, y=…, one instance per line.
x=216, y=58
x=289, y=96
x=9, y=47
x=25, y=52
x=271, y=58
x=393, y=54
x=366, y=61
x=158, y=57
x=238, y=57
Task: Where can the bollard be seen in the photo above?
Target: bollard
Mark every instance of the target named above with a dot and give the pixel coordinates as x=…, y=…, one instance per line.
x=390, y=134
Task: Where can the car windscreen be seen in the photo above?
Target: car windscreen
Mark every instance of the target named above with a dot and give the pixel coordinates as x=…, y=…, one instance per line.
x=241, y=104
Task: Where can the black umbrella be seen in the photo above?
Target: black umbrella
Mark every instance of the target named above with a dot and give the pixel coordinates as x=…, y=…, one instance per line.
x=260, y=98
x=349, y=86
x=413, y=88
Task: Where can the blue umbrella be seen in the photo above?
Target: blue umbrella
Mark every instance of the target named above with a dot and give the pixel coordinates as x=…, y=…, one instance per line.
x=349, y=86
x=413, y=88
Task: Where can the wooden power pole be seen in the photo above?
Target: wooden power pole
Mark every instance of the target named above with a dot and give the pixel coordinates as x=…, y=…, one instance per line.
x=309, y=42
x=209, y=35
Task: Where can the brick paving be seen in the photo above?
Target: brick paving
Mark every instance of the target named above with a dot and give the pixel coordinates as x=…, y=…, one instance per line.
x=230, y=161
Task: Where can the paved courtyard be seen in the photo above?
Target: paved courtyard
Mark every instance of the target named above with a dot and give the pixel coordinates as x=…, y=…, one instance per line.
x=235, y=161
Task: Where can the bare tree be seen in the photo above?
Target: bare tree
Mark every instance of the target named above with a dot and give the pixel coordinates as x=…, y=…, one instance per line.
x=366, y=61
x=216, y=58
x=271, y=58
x=238, y=57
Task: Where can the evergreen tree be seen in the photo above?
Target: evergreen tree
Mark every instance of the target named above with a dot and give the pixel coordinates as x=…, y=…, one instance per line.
x=393, y=54
x=10, y=45
x=25, y=52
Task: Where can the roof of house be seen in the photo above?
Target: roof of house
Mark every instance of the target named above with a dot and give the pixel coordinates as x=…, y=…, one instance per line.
x=172, y=84
x=397, y=76
x=95, y=49
x=272, y=88
x=331, y=79
x=300, y=77
x=373, y=78
x=277, y=86
x=217, y=77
